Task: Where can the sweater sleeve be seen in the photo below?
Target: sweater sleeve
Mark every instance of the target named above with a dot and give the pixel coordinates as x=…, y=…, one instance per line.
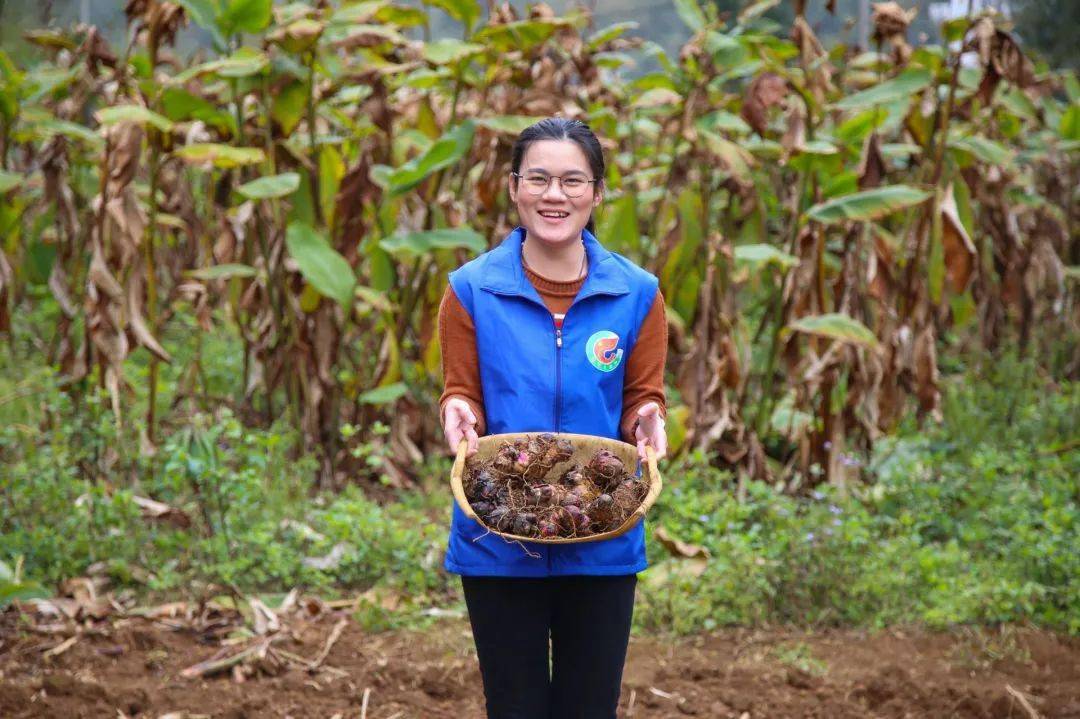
x=644, y=380
x=461, y=365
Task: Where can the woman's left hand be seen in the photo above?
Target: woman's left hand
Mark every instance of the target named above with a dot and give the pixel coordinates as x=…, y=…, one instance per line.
x=650, y=430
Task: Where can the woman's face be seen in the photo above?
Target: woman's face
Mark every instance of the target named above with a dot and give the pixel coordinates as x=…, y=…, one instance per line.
x=553, y=217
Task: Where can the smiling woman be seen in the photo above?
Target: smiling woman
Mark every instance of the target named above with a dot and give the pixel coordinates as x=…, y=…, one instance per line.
x=555, y=186
x=534, y=334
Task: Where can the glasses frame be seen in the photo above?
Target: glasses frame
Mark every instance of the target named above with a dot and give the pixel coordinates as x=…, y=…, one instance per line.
x=562, y=187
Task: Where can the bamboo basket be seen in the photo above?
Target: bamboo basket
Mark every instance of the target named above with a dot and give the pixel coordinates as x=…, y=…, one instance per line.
x=585, y=445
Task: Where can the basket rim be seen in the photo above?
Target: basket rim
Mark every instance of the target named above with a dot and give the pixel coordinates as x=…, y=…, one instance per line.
x=648, y=468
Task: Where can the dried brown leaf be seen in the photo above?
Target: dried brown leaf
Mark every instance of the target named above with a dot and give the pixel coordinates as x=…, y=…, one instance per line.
x=891, y=20
x=729, y=363
x=165, y=21
x=960, y=252
x=879, y=270
x=679, y=548
x=1001, y=57
x=541, y=11
x=129, y=221
x=87, y=598
x=672, y=570
x=58, y=283
x=125, y=139
x=112, y=383
x=355, y=193
x=152, y=509
x=6, y=279
x=766, y=90
x=97, y=52
x=794, y=139
x=265, y=619
x=871, y=170
x=138, y=322
x=814, y=59
x=102, y=278
x=926, y=373
x=54, y=168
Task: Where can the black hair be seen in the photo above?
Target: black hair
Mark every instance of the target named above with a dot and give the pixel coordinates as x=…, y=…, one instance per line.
x=561, y=128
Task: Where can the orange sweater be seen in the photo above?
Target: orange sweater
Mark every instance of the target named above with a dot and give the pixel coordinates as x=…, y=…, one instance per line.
x=644, y=379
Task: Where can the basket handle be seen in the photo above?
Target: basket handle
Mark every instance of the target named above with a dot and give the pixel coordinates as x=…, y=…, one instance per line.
x=650, y=470
x=456, y=487
x=655, y=481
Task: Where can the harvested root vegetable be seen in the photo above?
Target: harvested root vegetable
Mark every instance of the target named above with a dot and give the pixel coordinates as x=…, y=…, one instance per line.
x=605, y=470
x=519, y=491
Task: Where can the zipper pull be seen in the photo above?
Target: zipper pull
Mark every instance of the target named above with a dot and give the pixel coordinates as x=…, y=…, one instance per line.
x=558, y=337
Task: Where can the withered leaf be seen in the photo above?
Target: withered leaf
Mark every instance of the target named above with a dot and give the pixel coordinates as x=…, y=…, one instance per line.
x=766, y=90
x=872, y=164
x=152, y=509
x=138, y=323
x=6, y=277
x=813, y=57
x=355, y=192
x=891, y=21
x=879, y=270
x=729, y=363
x=1000, y=56
x=57, y=283
x=130, y=221
x=102, y=278
x=112, y=383
x=926, y=373
x=794, y=138
x=126, y=142
x=960, y=252
x=679, y=548
x=97, y=52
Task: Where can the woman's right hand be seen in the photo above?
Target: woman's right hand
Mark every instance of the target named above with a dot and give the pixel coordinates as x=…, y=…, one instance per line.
x=459, y=423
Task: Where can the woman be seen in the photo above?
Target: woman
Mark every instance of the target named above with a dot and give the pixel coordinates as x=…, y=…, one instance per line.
x=549, y=331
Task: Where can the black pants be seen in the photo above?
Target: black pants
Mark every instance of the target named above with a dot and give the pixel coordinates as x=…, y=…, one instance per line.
x=587, y=620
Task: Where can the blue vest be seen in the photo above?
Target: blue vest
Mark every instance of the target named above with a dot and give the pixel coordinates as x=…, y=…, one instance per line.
x=536, y=378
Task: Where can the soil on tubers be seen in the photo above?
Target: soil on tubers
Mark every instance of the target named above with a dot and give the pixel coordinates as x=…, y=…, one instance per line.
x=518, y=492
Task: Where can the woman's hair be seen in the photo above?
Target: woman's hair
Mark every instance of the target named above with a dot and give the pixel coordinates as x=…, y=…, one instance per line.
x=561, y=128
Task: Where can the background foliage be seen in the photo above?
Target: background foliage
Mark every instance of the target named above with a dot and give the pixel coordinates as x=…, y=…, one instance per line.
x=220, y=277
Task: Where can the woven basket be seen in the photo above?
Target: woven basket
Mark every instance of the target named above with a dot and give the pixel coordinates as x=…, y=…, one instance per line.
x=585, y=446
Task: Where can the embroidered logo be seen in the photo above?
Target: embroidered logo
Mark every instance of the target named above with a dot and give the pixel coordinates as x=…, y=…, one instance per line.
x=601, y=350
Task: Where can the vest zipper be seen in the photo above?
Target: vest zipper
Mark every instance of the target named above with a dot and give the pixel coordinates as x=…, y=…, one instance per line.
x=558, y=372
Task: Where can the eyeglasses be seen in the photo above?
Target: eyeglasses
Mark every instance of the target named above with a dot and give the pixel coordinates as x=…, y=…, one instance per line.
x=537, y=183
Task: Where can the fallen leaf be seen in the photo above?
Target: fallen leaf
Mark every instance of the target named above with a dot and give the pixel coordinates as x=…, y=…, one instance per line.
x=331, y=560
x=152, y=509
x=679, y=548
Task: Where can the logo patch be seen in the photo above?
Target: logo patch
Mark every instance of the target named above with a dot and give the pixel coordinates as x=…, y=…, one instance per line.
x=601, y=349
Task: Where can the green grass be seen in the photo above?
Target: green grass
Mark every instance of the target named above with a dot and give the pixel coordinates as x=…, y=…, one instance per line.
x=975, y=521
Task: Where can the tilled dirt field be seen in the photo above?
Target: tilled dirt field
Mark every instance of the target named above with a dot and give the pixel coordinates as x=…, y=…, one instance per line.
x=132, y=669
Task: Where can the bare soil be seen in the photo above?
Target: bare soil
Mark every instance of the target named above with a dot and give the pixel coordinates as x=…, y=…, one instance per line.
x=132, y=669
